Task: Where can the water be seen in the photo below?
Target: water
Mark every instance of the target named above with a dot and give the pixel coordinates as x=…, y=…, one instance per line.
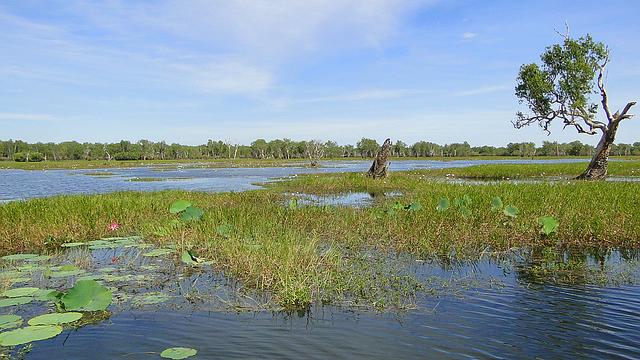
x=25, y=184
x=483, y=309
x=486, y=310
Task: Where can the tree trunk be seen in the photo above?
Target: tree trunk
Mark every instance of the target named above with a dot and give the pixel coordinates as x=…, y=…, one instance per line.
x=597, y=168
x=380, y=164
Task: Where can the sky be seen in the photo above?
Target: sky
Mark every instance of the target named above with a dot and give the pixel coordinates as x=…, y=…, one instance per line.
x=190, y=70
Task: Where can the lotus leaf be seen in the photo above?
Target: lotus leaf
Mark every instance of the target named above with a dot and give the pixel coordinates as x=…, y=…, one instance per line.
x=28, y=334
x=55, y=318
x=178, y=353
x=20, y=292
x=179, y=206
x=87, y=295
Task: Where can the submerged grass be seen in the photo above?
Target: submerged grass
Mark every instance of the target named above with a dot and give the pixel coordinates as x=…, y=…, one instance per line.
x=319, y=254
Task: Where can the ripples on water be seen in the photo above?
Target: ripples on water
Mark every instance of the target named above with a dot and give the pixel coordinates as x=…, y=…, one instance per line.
x=24, y=184
x=480, y=310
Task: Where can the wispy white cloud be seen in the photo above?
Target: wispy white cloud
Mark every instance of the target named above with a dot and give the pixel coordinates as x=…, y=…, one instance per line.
x=483, y=90
x=469, y=35
x=27, y=117
x=364, y=95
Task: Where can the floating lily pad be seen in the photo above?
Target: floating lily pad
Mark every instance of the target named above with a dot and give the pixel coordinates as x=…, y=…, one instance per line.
x=549, y=224
x=20, y=292
x=15, y=301
x=179, y=206
x=42, y=294
x=73, y=244
x=87, y=295
x=178, y=353
x=65, y=273
x=55, y=318
x=28, y=334
x=151, y=298
x=496, y=204
x=16, y=257
x=10, y=321
x=158, y=252
x=39, y=258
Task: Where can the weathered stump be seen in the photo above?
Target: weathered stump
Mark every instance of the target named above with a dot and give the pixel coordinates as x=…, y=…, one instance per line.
x=381, y=162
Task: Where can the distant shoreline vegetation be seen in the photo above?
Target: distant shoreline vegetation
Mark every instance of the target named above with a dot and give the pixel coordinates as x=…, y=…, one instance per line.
x=20, y=151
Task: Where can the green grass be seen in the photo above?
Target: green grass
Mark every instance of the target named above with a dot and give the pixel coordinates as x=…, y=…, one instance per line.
x=520, y=171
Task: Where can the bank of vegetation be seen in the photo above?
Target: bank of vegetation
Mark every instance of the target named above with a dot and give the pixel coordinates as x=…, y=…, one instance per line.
x=304, y=254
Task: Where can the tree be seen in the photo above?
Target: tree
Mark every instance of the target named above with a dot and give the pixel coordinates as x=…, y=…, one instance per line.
x=560, y=89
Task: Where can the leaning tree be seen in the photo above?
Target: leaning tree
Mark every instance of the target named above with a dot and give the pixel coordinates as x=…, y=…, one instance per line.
x=562, y=87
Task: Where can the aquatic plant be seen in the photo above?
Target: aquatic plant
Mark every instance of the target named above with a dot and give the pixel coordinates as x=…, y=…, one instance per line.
x=10, y=321
x=85, y=295
x=548, y=224
x=29, y=334
x=178, y=353
x=55, y=318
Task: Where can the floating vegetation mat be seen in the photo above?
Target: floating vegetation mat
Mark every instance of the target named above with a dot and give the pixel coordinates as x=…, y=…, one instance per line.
x=42, y=296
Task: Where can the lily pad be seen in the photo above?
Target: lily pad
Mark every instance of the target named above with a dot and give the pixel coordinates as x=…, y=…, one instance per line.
x=496, y=204
x=178, y=353
x=73, y=244
x=191, y=214
x=10, y=321
x=16, y=257
x=65, y=273
x=187, y=258
x=158, y=252
x=39, y=258
x=15, y=301
x=511, y=211
x=179, y=206
x=549, y=224
x=151, y=298
x=87, y=295
x=443, y=204
x=28, y=334
x=55, y=318
x=20, y=292
x=42, y=294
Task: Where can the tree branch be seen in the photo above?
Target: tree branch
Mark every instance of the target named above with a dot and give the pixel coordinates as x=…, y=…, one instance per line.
x=603, y=91
x=624, y=114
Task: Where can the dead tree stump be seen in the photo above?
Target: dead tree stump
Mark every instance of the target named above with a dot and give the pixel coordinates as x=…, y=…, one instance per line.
x=381, y=162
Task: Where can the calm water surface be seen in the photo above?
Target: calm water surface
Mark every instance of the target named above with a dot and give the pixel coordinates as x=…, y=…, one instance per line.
x=24, y=184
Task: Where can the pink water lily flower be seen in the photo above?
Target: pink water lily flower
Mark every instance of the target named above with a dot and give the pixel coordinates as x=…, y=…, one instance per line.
x=114, y=226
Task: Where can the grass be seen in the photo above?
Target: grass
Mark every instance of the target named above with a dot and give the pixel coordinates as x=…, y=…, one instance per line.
x=520, y=171
x=339, y=254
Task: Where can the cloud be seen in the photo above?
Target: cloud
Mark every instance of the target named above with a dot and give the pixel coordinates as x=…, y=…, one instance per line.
x=469, y=35
x=227, y=77
x=27, y=117
x=364, y=95
x=483, y=90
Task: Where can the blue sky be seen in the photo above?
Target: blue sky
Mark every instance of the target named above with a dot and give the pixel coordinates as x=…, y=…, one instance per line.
x=191, y=70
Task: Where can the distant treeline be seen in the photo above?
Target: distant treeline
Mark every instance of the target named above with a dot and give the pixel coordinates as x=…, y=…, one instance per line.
x=282, y=149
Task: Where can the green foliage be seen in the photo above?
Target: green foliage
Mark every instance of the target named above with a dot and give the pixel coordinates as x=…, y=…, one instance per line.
x=19, y=292
x=55, y=318
x=496, y=204
x=224, y=230
x=179, y=206
x=293, y=204
x=86, y=295
x=187, y=212
x=443, y=204
x=10, y=321
x=560, y=88
x=178, y=353
x=510, y=211
x=28, y=157
x=29, y=334
x=548, y=224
